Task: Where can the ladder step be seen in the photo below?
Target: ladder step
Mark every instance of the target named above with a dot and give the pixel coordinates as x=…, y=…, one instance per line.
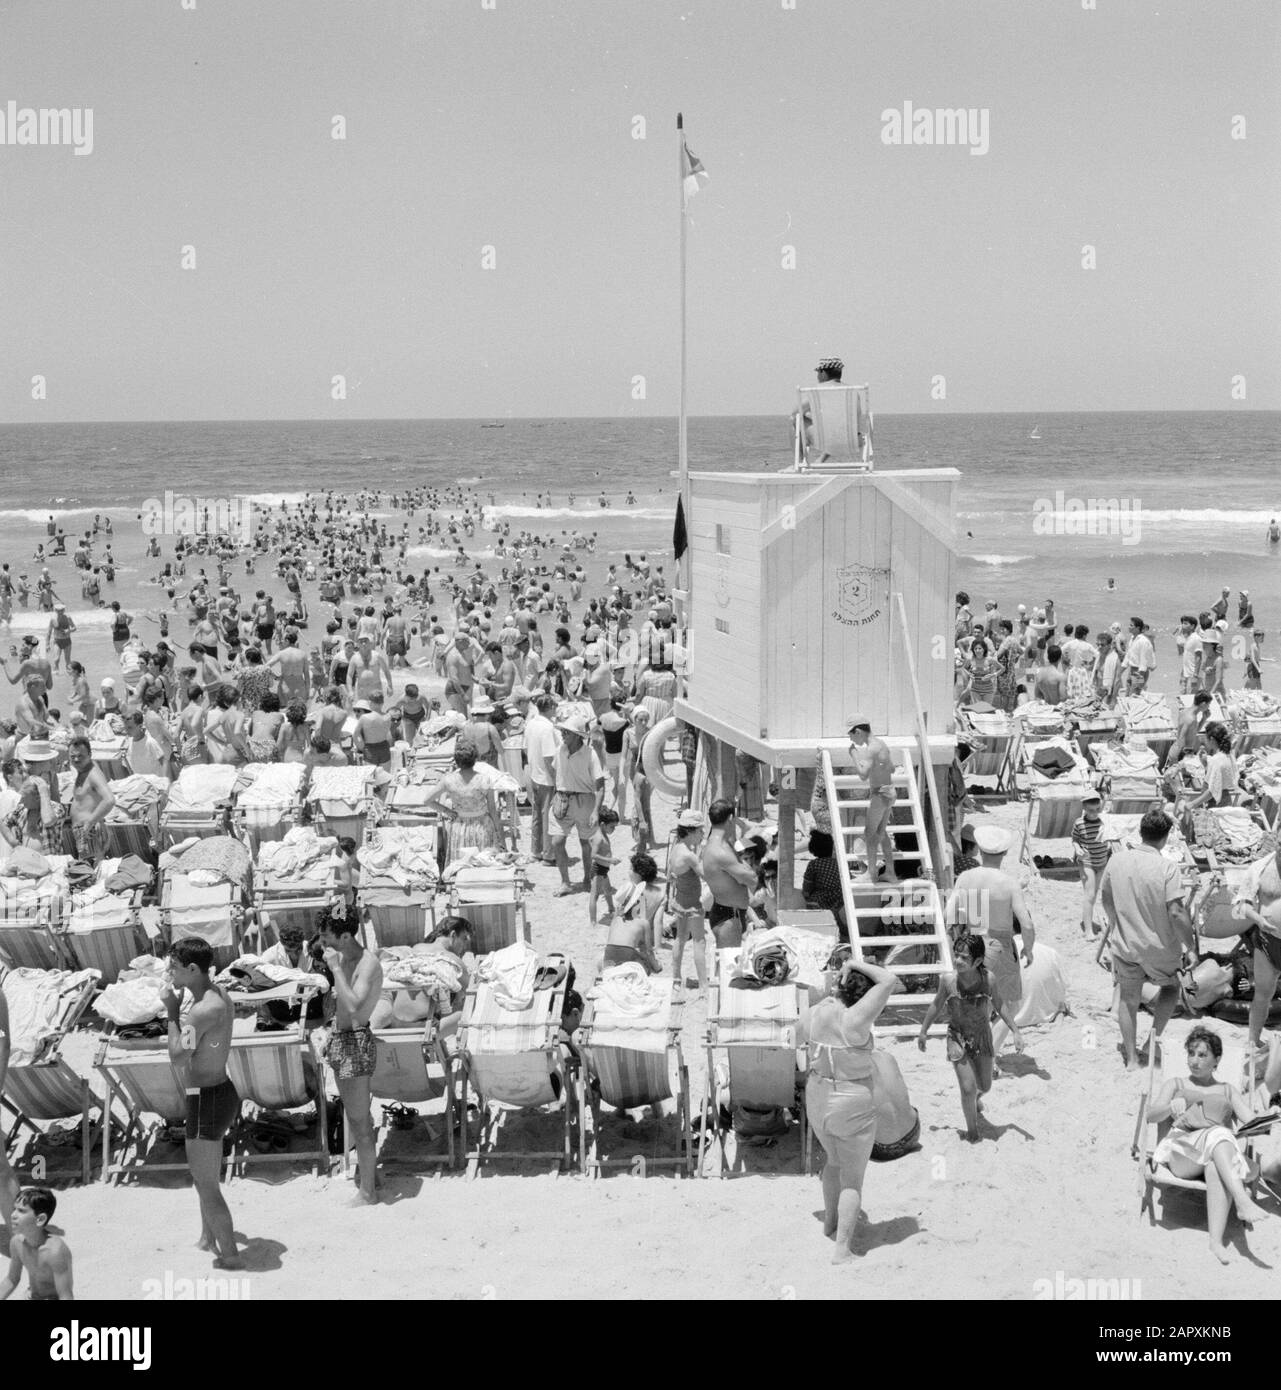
x=900, y=941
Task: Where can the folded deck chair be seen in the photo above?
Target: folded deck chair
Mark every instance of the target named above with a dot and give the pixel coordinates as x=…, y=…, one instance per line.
x=998, y=731
x=756, y=1030
x=512, y=1060
x=398, y=884
x=1132, y=776
x=834, y=427
x=493, y=901
x=1054, y=803
x=46, y=1087
x=342, y=800
x=214, y=911
x=404, y=1077
x=630, y=1045
x=139, y=1076
x=1148, y=1134
x=270, y=1072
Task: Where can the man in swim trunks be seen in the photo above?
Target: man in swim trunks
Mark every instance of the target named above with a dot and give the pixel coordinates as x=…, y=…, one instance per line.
x=730, y=880
x=872, y=762
x=199, y=1044
x=91, y=803
x=352, y=1050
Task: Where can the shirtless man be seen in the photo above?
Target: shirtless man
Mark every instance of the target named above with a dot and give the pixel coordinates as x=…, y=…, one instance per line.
x=459, y=674
x=367, y=669
x=872, y=762
x=198, y=1048
x=730, y=880
x=91, y=801
x=1264, y=936
x=290, y=664
x=30, y=663
x=352, y=1050
x=31, y=709
x=989, y=902
x=1192, y=722
x=32, y=1247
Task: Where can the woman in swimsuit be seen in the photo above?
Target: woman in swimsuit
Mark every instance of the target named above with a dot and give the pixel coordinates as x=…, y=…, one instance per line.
x=1200, y=1142
x=971, y=1000
x=224, y=728
x=264, y=727
x=371, y=737
x=840, y=1097
x=631, y=933
x=294, y=736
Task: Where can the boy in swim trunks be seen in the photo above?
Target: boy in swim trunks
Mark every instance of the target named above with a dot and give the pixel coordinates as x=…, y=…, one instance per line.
x=45, y=1257
x=199, y=1044
x=352, y=1050
x=602, y=862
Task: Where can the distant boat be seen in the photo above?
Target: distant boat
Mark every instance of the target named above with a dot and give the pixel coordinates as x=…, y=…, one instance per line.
x=493, y=427
x=1036, y=433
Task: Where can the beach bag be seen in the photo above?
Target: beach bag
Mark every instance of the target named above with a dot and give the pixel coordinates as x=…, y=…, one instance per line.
x=756, y=1124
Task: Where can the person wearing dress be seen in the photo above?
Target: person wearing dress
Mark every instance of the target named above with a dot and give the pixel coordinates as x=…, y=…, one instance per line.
x=470, y=805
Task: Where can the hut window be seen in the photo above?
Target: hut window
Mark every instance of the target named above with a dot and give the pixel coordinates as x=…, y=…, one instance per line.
x=722, y=539
x=722, y=625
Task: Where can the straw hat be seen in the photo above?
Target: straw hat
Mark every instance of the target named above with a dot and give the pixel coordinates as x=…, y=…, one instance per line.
x=573, y=724
x=35, y=750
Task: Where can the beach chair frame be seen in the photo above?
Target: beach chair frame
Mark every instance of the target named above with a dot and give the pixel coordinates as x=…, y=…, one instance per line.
x=122, y=1076
x=30, y=941
x=463, y=1081
x=420, y=1040
x=650, y=1076
x=236, y=910
x=507, y=919
x=109, y=949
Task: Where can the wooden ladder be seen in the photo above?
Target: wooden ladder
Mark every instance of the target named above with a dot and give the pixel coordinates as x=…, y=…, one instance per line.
x=903, y=929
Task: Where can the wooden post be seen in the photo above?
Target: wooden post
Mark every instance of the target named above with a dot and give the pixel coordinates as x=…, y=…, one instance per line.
x=789, y=895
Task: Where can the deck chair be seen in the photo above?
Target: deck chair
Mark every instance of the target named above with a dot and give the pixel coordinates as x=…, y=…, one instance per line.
x=213, y=911
x=199, y=803
x=833, y=428
x=105, y=934
x=513, y=1061
x=1132, y=778
x=404, y=1077
x=493, y=901
x=1147, y=720
x=139, y=1077
x=339, y=810
x=630, y=1065
x=1256, y=719
x=1054, y=803
x=48, y=1088
x=400, y=914
x=994, y=759
x=268, y=802
x=30, y=910
x=268, y=1070
x=756, y=1030
x=1148, y=1133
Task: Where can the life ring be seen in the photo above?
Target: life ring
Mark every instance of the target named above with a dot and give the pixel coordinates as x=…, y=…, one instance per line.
x=651, y=755
x=1238, y=1011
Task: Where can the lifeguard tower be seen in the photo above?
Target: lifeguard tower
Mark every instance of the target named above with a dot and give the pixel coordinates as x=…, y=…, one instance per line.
x=815, y=593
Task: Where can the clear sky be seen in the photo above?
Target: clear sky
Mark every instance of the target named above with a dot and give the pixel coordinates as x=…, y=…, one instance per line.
x=513, y=127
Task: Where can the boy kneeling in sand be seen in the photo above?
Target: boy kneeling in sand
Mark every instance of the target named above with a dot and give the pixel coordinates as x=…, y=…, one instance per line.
x=34, y=1248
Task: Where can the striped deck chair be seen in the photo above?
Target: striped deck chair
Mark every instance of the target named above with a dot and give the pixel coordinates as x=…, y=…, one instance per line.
x=106, y=934
x=404, y=1076
x=406, y=803
x=400, y=913
x=756, y=1030
x=213, y=911
x=1095, y=731
x=141, y=1078
x=1148, y=1133
x=1132, y=777
x=1255, y=718
x=199, y=803
x=49, y=1088
x=493, y=901
x=834, y=428
x=27, y=937
x=998, y=732
x=269, y=1072
x=280, y=902
x=513, y=1061
x=275, y=806
x=339, y=815
x=631, y=1067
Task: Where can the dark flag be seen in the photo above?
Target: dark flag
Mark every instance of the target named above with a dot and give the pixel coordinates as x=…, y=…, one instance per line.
x=680, y=537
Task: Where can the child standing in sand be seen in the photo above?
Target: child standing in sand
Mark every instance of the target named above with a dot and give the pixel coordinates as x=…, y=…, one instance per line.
x=602, y=862
x=33, y=1247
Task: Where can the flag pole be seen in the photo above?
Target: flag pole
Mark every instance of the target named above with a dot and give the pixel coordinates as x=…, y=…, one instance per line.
x=682, y=442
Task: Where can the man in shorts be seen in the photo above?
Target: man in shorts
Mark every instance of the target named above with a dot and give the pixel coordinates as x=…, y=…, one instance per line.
x=1149, y=928
x=579, y=786
x=730, y=880
x=199, y=1044
x=352, y=1050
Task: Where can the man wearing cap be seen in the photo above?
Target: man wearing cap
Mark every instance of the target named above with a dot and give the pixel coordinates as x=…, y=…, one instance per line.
x=990, y=903
x=579, y=782
x=1149, y=929
x=873, y=763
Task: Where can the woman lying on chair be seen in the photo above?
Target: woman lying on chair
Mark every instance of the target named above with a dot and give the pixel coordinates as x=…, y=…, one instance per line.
x=1200, y=1142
